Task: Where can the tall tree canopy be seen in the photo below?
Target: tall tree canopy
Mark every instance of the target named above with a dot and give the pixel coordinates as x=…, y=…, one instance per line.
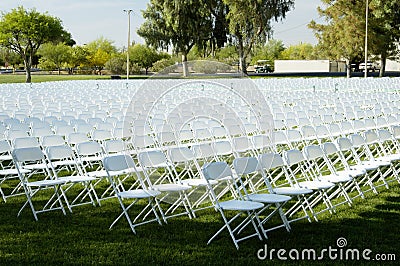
x=176, y=24
x=24, y=31
x=343, y=34
x=249, y=22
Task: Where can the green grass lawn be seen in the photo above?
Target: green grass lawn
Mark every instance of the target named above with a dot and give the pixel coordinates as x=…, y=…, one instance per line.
x=83, y=237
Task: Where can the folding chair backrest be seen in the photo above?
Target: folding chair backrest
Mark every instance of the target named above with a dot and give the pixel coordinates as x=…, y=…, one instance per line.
x=30, y=154
x=344, y=144
x=52, y=140
x=245, y=165
x=313, y=152
x=114, y=145
x=371, y=137
x=270, y=160
x=217, y=170
x=384, y=135
x=4, y=146
x=329, y=148
x=76, y=137
x=25, y=142
x=241, y=144
x=223, y=147
x=88, y=148
x=293, y=157
x=118, y=162
x=152, y=158
x=59, y=152
x=181, y=154
x=203, y=150
x=357, y=140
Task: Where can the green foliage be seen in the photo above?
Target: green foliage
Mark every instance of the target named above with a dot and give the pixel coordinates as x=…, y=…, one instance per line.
x=24, y=31
x=270, y=51
x=228, y=54
x=54, y=56
x=162, y=65
x=98, y=53
x=143, y=56
x=116, y=64
x=249, y=22
x=343, y=36
x=302, y=51
x=209, y=67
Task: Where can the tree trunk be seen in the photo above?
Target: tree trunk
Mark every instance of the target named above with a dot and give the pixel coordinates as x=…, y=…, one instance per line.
x=59, y=71
x=348, y=68
x=382, y=70
x=242, y=57
x=185, y=65
x=28, y=66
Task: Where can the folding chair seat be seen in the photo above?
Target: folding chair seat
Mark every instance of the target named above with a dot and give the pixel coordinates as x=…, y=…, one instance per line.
x=121, y=163
x=221, y=170
x=34, y=183
x=166, y=182
x=101, y=135
x=244, y=168
x=61, y=158
x=309, y=134
x=334, y=131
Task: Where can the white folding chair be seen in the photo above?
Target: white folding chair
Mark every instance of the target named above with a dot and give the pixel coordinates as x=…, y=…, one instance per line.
x=124, y=163
x=34, y=183
x=173, y=193
x=220, y=170
x=246, y=166
x=62, y=159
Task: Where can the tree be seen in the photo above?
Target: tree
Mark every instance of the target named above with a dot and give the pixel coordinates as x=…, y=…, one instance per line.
x=177, y=24
x=343, y=36
x=9, y=58
x=302, y=51
x=270, y=51
x=78, y=57
x=143, y=55
x=99, y=52
x=54, y=55
x=249, y=22
x=24, y=31
x=384, y=25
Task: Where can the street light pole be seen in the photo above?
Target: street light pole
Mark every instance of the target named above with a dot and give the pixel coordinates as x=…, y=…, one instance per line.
x=366, y=41
x=128, y=11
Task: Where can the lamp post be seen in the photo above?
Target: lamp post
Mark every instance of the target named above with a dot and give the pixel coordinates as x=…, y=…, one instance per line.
x=128, y=11
x=366, y=41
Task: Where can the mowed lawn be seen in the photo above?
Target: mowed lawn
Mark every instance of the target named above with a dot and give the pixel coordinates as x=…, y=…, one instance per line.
x=83, y=237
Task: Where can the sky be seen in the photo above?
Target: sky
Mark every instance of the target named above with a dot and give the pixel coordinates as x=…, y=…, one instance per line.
x=88, y=20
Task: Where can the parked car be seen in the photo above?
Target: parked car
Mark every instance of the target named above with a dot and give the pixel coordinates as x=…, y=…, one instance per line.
x=263, y=67
x=371, y=66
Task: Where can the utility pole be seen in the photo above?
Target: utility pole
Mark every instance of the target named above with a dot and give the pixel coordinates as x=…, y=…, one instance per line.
x=128, y=11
